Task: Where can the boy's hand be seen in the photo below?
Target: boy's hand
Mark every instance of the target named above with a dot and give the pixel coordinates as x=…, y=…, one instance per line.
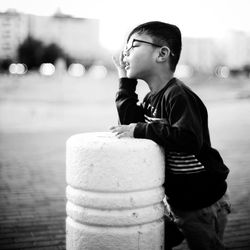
x=120, y=65
x=124, y=130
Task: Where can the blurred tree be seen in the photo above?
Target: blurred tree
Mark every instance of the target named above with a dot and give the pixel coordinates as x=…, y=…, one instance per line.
x=30, y=52
x=69, y=60
x=51, y=53
x=33, y=53
x=246, y=70
x=4, y=64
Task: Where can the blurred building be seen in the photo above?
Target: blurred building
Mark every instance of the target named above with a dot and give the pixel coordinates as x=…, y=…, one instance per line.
x=78, y=37
x=200, y=53
x=13, y=30
x=237, y=47
x=205, y=54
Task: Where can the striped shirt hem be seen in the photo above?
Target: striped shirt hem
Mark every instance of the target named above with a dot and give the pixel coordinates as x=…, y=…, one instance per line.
x=182, y=163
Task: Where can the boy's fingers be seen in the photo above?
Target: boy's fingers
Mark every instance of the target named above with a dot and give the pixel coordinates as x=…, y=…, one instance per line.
x=121, y=58
x=118, y=62
x=119, y=136
x=115, y=60
x=115, y=128
x=122, y=63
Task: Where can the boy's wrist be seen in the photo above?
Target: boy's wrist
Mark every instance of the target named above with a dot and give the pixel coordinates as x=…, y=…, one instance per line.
x=140, y=130
x=128, y=84
x=122, y=73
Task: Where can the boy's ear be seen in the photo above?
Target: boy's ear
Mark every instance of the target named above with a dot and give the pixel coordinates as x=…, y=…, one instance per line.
x=164, y=53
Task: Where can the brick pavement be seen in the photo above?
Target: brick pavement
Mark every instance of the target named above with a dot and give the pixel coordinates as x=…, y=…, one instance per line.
x=32, y=182
x=32, y=185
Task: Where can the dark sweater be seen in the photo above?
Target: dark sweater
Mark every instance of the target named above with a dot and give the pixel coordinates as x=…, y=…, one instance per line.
x=176, y=119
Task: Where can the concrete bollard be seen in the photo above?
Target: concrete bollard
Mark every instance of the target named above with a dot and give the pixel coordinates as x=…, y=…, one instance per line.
x=114, y=193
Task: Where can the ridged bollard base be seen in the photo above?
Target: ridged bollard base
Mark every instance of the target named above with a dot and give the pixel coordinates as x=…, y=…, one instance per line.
x=144, y=237
x=114, y=193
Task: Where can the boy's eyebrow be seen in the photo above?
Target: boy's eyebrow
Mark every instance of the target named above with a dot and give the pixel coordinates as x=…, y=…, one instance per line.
x=143, y=41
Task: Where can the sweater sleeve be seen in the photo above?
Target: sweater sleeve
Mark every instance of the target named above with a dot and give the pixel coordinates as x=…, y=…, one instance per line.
x=126, y=102
x=181, y=131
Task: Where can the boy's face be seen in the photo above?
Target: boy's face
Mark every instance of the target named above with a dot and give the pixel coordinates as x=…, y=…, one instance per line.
x=139, y=56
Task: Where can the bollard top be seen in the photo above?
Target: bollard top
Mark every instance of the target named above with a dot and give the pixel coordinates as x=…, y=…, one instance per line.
x=100, y=137
x=102, y=162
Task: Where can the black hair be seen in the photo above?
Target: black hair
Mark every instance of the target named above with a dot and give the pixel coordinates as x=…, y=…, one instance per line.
x=162, y=34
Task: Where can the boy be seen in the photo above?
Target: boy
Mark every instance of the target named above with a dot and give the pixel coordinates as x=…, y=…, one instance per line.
x=174, y=117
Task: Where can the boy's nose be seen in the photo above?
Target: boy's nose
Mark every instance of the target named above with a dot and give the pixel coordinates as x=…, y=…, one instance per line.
x=125, y=53
x=124, y=59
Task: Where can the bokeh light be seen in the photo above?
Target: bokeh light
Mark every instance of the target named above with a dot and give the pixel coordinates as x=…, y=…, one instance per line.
x=76, y=70
x=47, y=69
x=222, y=71
x=17, y=68
x=98, y=71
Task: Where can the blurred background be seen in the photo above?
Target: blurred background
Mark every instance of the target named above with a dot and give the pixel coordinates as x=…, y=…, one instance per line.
x=55, y=56
x=57, y=79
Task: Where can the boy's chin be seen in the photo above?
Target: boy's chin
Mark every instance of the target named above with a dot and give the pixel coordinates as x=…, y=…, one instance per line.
x=131, y=74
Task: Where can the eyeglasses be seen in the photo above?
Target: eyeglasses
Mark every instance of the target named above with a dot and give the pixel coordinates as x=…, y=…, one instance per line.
x=126, y=50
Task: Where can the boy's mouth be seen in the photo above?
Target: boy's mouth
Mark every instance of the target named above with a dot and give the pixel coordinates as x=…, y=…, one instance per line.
x=126, y=66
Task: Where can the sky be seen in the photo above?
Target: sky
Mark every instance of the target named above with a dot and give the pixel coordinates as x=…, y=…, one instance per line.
x=195, y=18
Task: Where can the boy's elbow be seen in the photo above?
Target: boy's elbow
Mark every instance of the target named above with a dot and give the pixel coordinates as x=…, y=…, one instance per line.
x=192, y=143
x=195, y=145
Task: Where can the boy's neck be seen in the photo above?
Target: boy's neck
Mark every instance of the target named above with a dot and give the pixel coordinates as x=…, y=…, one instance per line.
x=158, y=82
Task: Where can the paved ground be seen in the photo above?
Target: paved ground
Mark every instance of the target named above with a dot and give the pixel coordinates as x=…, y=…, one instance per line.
x=32, y=176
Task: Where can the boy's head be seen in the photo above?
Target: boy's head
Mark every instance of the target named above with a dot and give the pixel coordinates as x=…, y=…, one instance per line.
x=161, y=34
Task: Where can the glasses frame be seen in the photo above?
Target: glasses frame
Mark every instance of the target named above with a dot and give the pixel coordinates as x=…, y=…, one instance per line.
x=126, y=51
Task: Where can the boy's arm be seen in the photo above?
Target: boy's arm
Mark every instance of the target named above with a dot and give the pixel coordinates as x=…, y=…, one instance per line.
x=182, y=132
x=126, y=102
